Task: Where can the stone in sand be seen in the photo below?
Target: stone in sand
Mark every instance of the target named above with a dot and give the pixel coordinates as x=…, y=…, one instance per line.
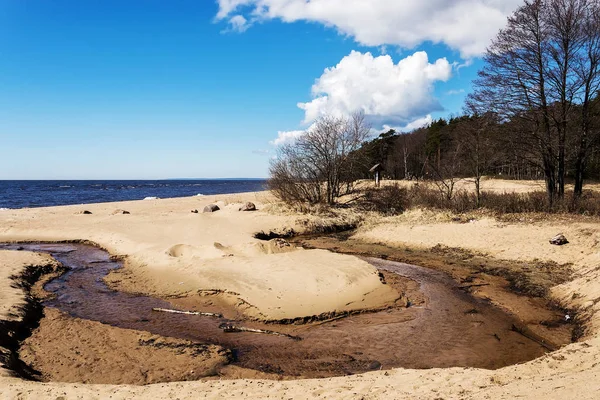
x=249, y=206
x=211, y=208
x=86, y=212
x=559, y=240
x=195, y=211
x=121, y=212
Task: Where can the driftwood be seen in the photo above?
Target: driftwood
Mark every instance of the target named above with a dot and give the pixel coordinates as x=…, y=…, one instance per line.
x=332, y=319
x=536, y=338
x=228, y=328
x=204, y=314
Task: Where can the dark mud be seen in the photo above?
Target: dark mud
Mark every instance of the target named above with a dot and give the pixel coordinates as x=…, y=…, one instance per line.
x=436, y=325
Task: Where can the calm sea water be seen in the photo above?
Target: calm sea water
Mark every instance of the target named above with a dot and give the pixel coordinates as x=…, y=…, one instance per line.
x=19, y=194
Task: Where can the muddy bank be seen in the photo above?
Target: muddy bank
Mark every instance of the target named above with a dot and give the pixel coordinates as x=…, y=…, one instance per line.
x=519, y=288
x=435, y=324
x=23, y=321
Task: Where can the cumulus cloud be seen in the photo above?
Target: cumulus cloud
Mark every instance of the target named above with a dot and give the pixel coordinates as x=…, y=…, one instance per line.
x=285, y=137
x=386, y=92
x=398, y=95
x=464, y=25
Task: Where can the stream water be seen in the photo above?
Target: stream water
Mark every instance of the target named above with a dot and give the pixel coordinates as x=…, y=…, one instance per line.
x=450, y=328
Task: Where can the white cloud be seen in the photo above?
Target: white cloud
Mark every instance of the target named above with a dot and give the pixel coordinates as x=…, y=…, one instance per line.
x=418, y=123
x=238, y=23
x=411, y=126
x=226, y=7
x=387, y=93
x=464, y=25
x=285, y=137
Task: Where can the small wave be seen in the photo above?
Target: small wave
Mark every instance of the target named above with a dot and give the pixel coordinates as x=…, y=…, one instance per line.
x=4, y=209
x=65, y=186
x=199, y=195
x=151, y=198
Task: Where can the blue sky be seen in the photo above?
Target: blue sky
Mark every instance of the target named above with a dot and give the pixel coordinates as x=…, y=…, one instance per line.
x=148, y=89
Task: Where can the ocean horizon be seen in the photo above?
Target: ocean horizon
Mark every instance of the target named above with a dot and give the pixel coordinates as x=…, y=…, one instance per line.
x=15, y=194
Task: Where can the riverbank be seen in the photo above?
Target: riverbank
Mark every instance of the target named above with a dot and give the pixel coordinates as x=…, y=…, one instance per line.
x=570, y=371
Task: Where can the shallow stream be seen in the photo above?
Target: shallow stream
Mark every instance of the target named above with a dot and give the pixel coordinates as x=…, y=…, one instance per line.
x=446, y=328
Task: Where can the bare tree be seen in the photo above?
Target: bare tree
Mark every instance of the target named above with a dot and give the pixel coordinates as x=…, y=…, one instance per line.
x=446, y=171
x=513, y=81
x=475, y=134
x=320, y=165
x=537, y=69
x=566, y=22
x=587, y=67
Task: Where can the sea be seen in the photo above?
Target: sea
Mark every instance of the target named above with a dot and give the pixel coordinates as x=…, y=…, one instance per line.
x=20, y=194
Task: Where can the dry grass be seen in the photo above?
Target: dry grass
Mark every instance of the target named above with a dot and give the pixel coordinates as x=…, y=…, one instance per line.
x=390, y=199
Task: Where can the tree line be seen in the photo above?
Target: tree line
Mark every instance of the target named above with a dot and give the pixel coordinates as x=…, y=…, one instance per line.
x=534, y=113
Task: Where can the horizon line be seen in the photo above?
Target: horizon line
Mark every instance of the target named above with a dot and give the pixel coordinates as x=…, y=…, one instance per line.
x=136, y=179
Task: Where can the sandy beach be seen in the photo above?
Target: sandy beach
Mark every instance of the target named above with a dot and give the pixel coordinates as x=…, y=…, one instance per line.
x=170, y=252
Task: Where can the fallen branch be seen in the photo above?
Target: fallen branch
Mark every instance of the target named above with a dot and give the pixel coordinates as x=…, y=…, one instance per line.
x=233, y=329
x=204, y=314
x=332, y=319
x=536, y=338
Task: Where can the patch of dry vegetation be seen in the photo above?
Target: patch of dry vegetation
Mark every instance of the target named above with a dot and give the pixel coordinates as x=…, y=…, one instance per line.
x=395, y=199
x=316, y=218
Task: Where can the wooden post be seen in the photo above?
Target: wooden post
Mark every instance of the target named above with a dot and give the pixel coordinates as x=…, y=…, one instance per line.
x=376, y=170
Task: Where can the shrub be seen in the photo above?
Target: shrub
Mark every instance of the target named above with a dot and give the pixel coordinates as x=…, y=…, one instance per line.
x=504, y=203
x=390, y=200
x=508, y=203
